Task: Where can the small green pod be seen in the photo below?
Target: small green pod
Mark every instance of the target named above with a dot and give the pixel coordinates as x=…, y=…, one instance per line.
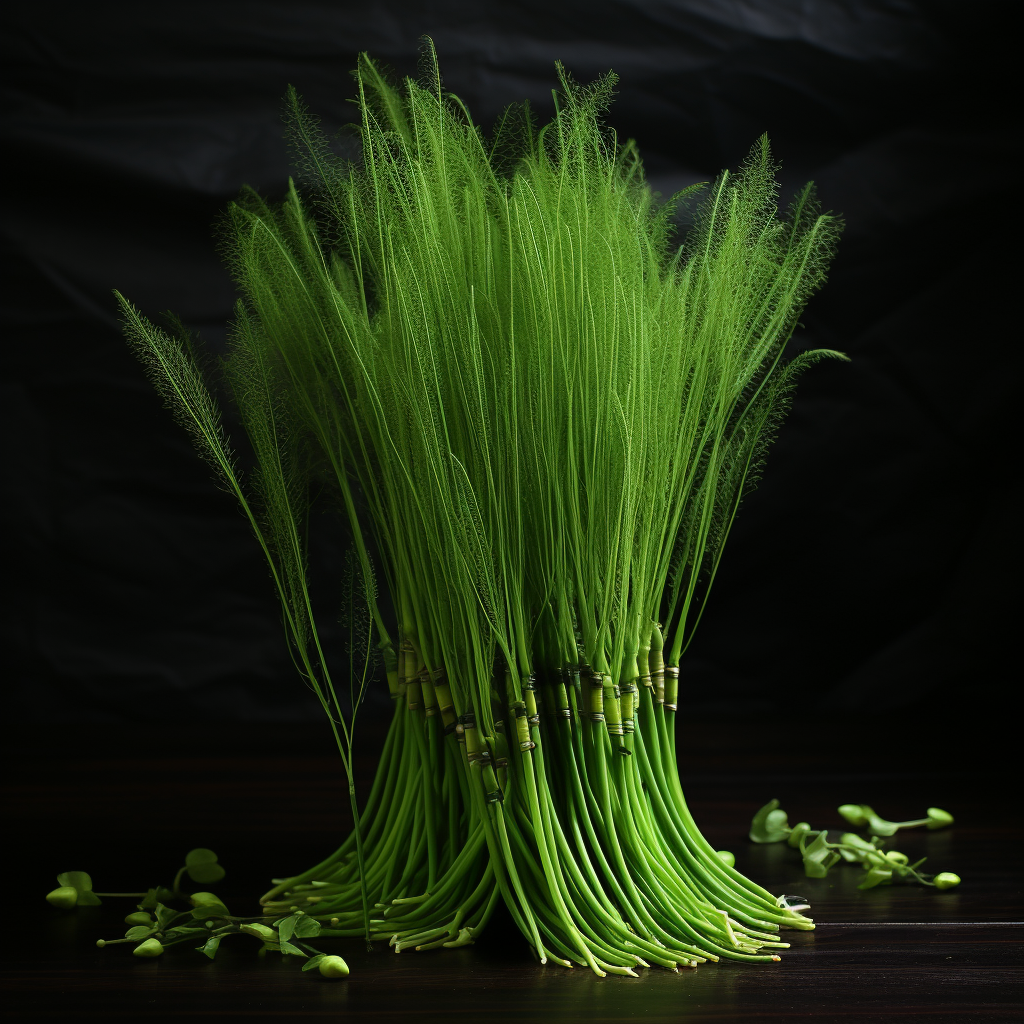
x=333, y=967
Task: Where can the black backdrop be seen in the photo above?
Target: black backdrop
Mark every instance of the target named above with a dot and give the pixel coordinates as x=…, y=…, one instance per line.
x=871, y=570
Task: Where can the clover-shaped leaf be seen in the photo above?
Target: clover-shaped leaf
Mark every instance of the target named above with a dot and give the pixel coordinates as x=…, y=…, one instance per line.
x=770, y=824
x=201, y=865
x=82, y=884
x=210, y=948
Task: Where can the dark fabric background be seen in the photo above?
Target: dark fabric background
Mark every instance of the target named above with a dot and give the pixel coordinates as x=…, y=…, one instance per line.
x=873, y=568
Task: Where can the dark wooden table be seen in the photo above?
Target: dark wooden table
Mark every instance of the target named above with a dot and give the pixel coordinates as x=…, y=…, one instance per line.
x=272, y=803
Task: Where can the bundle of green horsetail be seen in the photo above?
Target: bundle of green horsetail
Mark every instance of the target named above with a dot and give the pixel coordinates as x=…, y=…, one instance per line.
x=541, y=414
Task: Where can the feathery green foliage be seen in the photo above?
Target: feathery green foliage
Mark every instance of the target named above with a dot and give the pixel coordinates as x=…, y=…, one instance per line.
x=495, y=358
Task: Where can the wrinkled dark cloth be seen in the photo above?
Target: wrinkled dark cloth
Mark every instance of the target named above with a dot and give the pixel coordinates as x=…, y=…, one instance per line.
x=873, y=566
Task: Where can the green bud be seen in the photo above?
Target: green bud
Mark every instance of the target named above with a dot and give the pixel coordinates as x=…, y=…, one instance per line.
x=333, y=967
x=726, y=857
x=852, y=839
x=800, y=829
x=896, y=857
x=938, y=818
x=854, y=814
x=139, y=917
x=946, y=880
x=149, y=948
x=769, y=824
x=65, y=897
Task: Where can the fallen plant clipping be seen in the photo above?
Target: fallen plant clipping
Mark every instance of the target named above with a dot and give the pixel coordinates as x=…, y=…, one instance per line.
x=536, y=415
x=771, y=825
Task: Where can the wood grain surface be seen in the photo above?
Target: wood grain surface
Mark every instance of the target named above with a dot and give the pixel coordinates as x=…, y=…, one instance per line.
x=272, y=802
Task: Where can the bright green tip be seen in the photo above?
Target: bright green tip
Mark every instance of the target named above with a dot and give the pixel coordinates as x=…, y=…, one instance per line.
x=333, y=967
x=726, y=857
x=148, y=949
x=938, y=818
x=946, y=880
x=854, y=814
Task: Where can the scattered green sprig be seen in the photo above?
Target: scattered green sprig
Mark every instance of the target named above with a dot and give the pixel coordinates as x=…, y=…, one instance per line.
x=771, y=825
x=155, y=926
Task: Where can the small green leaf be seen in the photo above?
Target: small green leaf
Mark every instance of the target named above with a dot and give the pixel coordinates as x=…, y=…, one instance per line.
x=155, y=896
x=313, y=961
x=88, y=899
x=65, y=897
x=164, y=915
x=260, y=931
x=79, y=879
x=307, y=927
x=206, y=904
x=200, y=855
x=202, y=866
x=139, y=931
x=286, y=927
x=287, y=947
x=210, y=948
x=139, y=917
x=769, y=824
x=876, y=876
x=205, y=899
x=212, y=910
x=206, y=874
